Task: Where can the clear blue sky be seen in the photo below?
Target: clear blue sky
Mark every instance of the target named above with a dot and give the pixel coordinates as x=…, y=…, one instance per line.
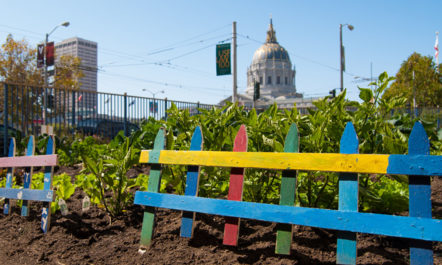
x=170, y=45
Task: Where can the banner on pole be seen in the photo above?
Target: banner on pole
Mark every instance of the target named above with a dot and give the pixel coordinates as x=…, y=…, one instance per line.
x=223, y=59
x=153, y=107
x=50, y=53
x=40, y=55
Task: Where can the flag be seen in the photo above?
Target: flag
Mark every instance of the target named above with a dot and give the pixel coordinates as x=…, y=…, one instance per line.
x=50, y=53
x=223, y=59
x=132, y=103
x=40, y=55
x=153, y=107
x=79, y=98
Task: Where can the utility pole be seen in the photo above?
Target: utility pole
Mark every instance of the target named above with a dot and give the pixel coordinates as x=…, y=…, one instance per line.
x=341, y=57
x=235, y=92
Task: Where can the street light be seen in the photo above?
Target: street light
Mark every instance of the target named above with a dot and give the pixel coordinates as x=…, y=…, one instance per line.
x=350, y=27
x=45, y=101
x=153, y=93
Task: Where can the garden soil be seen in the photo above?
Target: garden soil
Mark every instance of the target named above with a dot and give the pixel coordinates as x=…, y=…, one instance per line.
x=94, y=238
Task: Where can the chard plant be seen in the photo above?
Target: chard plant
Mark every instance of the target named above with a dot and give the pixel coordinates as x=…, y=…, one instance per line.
x=107, y=182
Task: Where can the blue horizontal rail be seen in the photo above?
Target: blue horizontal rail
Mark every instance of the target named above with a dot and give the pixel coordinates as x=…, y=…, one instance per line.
x=370, y=223
x=27, y=194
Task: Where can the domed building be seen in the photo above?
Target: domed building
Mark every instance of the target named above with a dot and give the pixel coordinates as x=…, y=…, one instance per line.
x=272, y=68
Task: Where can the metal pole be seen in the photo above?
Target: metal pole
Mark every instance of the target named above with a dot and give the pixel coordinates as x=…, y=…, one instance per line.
x=165, y=109
x=5, y=121
x=342, y=57
x=45, y=98
x=235, y=96
x=73, y=108
x=125, y=115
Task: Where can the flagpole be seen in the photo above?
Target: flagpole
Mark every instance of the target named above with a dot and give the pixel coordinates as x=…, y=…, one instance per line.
x=235, y=92
x=436, y=53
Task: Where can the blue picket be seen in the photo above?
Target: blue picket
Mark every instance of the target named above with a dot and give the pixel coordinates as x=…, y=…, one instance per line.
x=419, y=195
x=28, y=175
x=192, y=184
x=370, y=223
x=47, y=185
x=348, y=198
x=9, y=176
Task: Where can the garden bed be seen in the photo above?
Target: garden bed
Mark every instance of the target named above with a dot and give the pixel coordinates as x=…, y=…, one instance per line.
x=94, y=238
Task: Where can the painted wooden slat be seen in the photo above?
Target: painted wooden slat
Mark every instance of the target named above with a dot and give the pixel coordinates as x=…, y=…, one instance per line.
x=421, y=252
x=192, y=184
x=425, y=165
x=27, y=176
x=32, y=161
x=47, y=186
x=9, y=176
x=153, y=186
x=27, y=194
x=348, y=198
x=236, y=181
x=381, y=224
x=284, y=232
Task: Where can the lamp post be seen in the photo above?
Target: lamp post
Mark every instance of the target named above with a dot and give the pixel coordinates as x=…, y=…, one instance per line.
x=342, y=69
x=153, y=93
x=45, y=99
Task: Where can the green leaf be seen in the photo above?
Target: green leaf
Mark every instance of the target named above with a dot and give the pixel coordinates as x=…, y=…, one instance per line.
x=365, y=94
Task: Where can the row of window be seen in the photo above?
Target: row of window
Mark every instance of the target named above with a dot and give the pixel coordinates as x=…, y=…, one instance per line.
x=278, y=80
x=74, y=42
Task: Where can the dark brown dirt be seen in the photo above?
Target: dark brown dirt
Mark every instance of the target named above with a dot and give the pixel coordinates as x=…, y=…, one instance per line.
x=93, y=238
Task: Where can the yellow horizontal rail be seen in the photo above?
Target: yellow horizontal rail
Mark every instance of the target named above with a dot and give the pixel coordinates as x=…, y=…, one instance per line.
x=362, y=163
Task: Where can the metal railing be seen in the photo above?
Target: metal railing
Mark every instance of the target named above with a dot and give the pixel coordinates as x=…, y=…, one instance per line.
x=69, y=111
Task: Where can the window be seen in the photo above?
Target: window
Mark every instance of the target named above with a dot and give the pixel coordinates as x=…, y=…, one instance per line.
x=286, y=80
x=278, y=80
x=260, y=79
x=269, y=80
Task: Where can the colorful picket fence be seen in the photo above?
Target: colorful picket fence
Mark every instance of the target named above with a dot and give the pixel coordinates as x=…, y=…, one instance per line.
x=26, y=194
x=418, y=227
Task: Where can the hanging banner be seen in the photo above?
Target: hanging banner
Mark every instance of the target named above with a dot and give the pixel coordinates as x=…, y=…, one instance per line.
x=50, y=53
x=153, y=107
x=223, y=59
x=40, y=55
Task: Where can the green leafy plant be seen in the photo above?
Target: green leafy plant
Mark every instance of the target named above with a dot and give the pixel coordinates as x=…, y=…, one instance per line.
x=61, y=184
x=109, y=180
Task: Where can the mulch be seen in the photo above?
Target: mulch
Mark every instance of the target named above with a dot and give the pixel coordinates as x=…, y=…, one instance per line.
x=94, y=238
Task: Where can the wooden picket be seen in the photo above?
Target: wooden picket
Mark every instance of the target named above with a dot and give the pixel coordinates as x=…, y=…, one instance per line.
x=284, y=232
x=236, y=181
x=419, y=227
x=419, y=189
x=153, y=186
x=26, y=193
x=192, y=184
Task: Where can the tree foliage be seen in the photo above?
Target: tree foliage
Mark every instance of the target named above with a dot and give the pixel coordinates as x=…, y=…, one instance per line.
x=426, y=84
x=18, y=63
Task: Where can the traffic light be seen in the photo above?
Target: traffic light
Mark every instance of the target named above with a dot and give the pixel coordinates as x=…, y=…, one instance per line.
x=332, y=93
x=256, y=91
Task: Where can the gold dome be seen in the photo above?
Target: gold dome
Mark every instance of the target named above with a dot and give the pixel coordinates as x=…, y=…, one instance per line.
x=271, y=50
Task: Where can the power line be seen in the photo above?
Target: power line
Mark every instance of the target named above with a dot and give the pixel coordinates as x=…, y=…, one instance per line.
x=301, y=57
x=162, y=83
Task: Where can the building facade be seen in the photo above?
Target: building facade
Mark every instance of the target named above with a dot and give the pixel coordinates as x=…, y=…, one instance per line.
x=272, y=68
x=86, y=50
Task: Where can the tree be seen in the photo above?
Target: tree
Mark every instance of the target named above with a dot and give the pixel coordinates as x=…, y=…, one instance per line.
x=18, y=67
x=68, y=73
x=426, y=85
x=18, y=63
